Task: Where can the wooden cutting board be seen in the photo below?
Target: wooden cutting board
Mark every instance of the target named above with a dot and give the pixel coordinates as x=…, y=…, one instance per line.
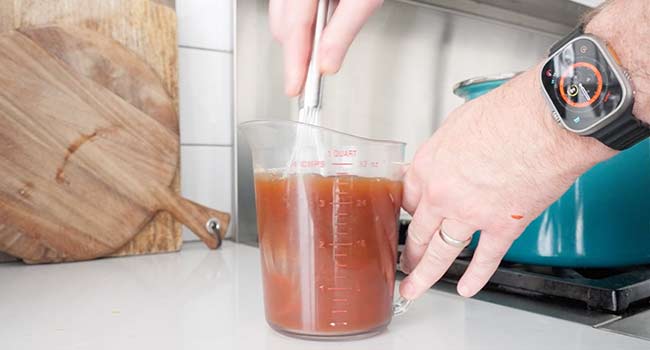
x=82, y=169
x=106, y=62
x=115, y=68
x=147, y=29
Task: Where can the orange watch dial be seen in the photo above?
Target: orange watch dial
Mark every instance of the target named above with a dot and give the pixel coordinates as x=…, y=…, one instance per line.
x=576, y=94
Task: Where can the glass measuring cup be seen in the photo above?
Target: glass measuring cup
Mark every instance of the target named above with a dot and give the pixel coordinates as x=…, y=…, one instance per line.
x=327, y=209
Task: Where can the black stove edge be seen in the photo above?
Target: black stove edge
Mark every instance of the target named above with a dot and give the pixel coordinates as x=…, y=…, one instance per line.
x=616, y=299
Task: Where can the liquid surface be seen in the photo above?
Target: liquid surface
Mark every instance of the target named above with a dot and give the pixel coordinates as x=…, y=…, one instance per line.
x=328, y=247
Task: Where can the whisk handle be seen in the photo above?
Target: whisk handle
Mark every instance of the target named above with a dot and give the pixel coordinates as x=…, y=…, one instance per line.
x=311, y=96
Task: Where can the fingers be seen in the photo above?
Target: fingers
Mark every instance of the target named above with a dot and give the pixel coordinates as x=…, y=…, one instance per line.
x=488, y=255
x=345, y=24
x=291, y=23
x=425, y=222
x=436, y=259
x=296, y=38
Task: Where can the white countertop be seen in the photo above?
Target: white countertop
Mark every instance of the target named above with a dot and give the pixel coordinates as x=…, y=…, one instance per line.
x=201, y=299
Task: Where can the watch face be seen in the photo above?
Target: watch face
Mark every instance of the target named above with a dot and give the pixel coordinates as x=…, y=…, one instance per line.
x=582, y=85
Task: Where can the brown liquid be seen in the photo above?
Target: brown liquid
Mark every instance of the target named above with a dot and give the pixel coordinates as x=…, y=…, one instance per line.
x=328, y=248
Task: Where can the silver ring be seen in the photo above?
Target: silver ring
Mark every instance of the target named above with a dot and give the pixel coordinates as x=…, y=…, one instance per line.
x=453, y=241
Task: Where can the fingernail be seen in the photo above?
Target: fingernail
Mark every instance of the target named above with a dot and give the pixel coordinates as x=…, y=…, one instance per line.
x=405, y=268
x=464, y=291
x=327, y=66
x=289, y=91
x=290, y=86
x=327, y=63
x=407, y=289
x=292, y=81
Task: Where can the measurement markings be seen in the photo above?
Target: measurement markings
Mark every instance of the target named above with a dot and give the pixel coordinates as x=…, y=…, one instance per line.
x=340, y=300
x=339, y=311
x=342, y=163
x=340, y=244
x=338, y=288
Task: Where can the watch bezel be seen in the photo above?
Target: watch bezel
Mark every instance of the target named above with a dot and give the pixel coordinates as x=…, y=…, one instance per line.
x=626, y=87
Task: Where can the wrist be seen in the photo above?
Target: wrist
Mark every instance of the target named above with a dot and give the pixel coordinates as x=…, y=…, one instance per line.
x=565, y=154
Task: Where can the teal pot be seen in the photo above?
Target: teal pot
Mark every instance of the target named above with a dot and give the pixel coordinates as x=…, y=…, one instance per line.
x=603, y=220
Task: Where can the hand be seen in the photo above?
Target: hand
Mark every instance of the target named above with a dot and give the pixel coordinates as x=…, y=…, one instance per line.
x=494, y=165
x=292, y=25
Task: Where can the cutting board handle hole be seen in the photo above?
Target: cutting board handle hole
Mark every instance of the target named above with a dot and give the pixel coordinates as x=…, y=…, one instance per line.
x=214, y=228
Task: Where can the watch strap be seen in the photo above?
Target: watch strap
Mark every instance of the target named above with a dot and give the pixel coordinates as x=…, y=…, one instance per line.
x=624, y=132
x=576, y=32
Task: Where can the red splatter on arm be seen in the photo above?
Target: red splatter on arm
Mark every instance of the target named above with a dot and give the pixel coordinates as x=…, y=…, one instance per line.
x=517, y=217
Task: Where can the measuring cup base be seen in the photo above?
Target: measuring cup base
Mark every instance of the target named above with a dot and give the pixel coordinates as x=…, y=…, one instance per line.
x=331, y=336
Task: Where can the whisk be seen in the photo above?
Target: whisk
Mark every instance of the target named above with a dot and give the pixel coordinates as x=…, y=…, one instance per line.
x=308, y=144
x=310, y=99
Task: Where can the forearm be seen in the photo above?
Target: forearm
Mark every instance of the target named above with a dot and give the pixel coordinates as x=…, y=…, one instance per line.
x=625, y=26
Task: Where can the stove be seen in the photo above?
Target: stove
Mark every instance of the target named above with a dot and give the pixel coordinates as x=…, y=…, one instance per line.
x=610, y=290
x=616, y=299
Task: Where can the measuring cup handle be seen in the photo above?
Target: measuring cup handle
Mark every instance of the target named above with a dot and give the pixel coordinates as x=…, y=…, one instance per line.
x=401, y=306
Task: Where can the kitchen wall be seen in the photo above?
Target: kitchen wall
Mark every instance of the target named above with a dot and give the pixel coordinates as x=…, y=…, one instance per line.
x=205, y=31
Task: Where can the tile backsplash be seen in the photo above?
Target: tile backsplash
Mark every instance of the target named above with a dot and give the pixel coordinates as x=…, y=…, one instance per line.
x=205, y=24
x=205, y=38
x=205, y=82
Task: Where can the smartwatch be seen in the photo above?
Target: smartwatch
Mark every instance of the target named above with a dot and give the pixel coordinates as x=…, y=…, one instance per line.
x=589, y=93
